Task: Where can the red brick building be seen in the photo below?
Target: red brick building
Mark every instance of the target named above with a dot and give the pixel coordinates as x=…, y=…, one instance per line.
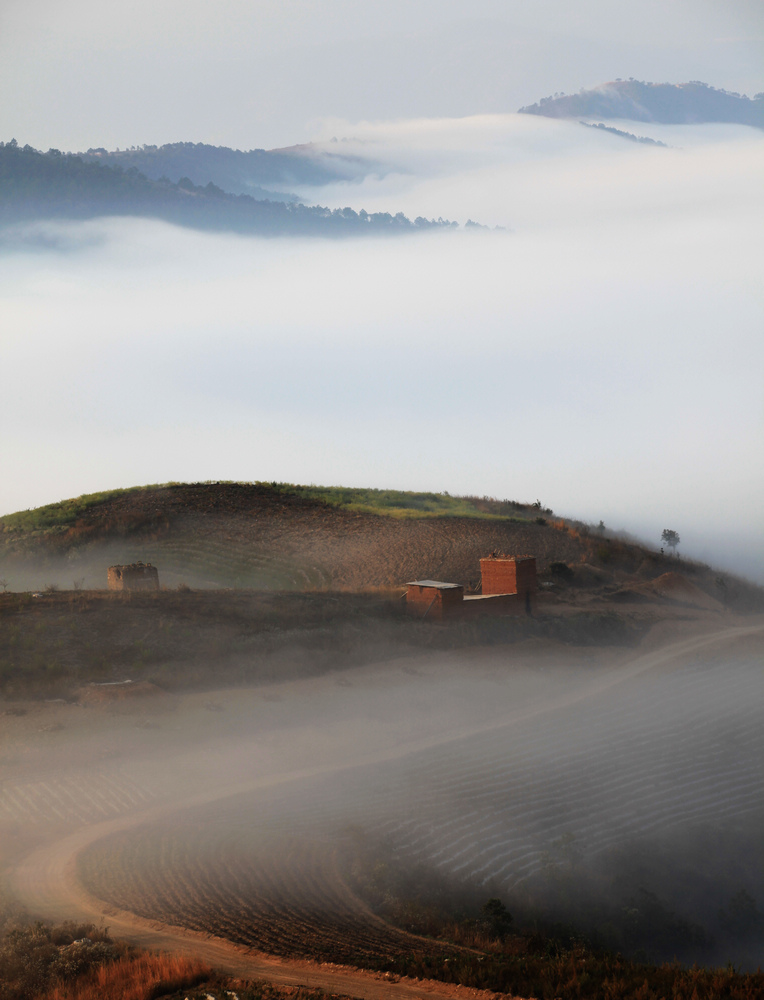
x=509, y=575
x=508, y=588
x=433, y=599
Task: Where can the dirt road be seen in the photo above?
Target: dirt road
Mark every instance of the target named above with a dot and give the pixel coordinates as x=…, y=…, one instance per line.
x=45, y=881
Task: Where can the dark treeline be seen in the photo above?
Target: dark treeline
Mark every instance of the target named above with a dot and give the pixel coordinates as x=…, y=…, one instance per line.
x=645, y=140
x=35, y=185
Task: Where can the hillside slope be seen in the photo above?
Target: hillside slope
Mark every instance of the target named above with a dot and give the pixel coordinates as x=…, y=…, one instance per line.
x=260, y=536
x=672, y=104
x=278, y=537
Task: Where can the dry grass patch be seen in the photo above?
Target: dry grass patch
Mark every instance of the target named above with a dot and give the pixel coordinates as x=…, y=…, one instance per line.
x=134, y=977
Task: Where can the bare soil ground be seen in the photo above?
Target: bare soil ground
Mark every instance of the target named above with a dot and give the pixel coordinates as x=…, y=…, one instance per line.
x=56, y=644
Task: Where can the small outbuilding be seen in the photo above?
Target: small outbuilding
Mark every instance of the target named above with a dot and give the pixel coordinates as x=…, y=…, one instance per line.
x=508, y=588
x=433, y=599
x=136, y=576
x=508, y=575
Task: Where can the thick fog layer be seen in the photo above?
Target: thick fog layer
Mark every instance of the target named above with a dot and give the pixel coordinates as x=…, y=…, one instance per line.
x=617, y=790
x=603, y=353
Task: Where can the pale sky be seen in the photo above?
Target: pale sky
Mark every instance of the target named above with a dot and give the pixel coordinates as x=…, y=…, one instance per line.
x=262, y=73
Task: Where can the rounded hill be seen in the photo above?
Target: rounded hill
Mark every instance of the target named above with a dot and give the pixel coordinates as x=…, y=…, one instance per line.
x=275, y=536
x=285, y=537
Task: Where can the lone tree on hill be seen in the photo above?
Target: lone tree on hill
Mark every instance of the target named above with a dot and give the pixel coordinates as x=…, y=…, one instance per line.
x=670, y=538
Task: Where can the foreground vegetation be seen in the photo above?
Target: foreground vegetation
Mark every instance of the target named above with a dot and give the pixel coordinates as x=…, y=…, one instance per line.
x=534, y=966
x=81, y=962
x=71, y=961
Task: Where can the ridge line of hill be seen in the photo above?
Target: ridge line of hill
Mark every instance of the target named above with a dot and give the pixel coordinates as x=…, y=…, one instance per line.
x=56, y=185
x=668, y=103
x=370, y=500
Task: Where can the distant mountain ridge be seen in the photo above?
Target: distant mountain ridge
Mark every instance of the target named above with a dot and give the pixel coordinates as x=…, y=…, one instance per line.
x=55, y=185
x=667, y=103
x=235, y=171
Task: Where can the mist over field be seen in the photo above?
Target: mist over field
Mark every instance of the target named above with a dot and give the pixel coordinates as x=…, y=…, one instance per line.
x=600, y=351
x=616, y=791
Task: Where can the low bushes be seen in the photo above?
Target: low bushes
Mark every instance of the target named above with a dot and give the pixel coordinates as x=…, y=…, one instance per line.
x=143, y=976
x=82, y=962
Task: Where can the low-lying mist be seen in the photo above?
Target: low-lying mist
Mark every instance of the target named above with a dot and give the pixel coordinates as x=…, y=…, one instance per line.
x=615, y=793
x=603, y=355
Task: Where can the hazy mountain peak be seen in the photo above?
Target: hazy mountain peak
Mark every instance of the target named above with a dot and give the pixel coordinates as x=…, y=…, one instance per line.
x=669, y=103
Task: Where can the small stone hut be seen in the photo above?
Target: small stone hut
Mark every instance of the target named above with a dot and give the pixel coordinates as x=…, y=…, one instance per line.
x=136, y=576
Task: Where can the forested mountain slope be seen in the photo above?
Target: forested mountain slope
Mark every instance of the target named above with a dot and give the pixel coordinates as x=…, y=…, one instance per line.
x=238, y=171
x=684, y=103
x=36, y=185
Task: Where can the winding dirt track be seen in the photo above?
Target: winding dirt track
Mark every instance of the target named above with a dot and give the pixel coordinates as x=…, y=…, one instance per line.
x=45, y=881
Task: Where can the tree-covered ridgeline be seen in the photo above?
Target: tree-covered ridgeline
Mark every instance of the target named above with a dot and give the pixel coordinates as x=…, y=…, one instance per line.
x=55, y=185
x=669, y=103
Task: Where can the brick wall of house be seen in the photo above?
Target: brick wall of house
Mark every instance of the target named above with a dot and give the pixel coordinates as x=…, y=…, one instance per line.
x=137, y=576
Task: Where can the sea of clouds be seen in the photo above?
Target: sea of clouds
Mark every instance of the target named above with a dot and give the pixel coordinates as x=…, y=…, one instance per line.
x=602, y=351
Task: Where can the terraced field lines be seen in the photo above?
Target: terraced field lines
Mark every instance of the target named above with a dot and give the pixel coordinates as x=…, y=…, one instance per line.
x=76, y=799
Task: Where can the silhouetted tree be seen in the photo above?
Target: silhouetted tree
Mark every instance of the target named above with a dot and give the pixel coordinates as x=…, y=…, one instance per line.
x=496, y=918
x=670, y=538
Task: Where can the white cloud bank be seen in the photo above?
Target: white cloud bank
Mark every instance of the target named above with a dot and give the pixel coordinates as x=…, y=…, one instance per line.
x=605, y=356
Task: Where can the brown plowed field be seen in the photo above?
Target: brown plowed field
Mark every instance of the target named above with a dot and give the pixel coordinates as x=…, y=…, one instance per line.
x=483, y=807
x=275, y=893
x=253, y=536
x=250, y=857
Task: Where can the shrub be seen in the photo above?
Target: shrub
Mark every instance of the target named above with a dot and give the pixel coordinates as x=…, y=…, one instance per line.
x=561, y=570
x=35, y=956
x=496, y=918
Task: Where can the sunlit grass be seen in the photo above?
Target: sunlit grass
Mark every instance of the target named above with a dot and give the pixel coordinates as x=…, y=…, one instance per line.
x=392, y=503
x=65, y=512
x=134, y=977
